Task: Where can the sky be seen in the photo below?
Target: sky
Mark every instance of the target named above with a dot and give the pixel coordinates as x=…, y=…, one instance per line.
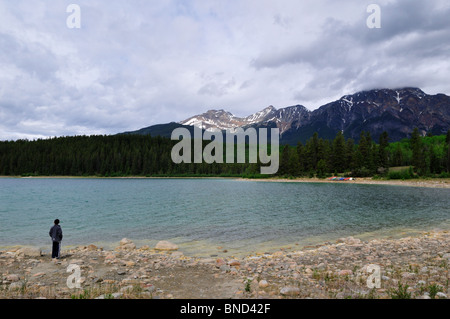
x=133, y=64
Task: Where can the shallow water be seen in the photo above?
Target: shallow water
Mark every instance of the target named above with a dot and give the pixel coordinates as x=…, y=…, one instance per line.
x=202, y=215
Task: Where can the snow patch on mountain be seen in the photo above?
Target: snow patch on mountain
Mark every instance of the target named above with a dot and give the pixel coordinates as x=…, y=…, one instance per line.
x=393, y=110
x=214, y=120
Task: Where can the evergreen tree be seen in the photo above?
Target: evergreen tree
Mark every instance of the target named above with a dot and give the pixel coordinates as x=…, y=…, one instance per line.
x=448, y=158
x=350, y=154
x=397, y=158
x=324, y=152
x=284, y=161
x=312, y=152
x=418, y=160
x=383, y=158
x=294, y=164
x=321, y=168
x=435, y=164
x=301, y=158
x=338, y=159
x=364, y=155
x=123, y=155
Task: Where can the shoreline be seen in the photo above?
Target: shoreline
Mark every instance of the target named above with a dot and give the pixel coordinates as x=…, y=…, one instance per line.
x=429, y=183
x=331, y=270
x=425, y=182
x=206, y=248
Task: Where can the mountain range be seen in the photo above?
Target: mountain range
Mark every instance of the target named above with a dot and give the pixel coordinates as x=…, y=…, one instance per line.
x=396, y=111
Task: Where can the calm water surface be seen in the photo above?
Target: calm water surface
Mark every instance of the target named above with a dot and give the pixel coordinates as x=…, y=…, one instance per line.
x=202, y=214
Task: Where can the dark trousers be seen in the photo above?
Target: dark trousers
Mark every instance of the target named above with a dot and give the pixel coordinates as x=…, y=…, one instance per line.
x=56, y=249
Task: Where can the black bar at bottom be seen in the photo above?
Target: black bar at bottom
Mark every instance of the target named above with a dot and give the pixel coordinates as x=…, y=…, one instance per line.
x=229, y=308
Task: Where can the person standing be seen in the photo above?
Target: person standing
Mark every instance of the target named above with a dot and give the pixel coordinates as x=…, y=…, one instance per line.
x=57, y=236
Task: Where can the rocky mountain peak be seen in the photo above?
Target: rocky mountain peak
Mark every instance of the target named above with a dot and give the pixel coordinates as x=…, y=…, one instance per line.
x=396, y=111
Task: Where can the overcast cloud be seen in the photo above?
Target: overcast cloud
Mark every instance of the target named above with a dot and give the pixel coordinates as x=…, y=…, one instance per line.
x=138, y=63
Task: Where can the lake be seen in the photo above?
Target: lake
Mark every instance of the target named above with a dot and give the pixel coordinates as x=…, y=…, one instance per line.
x=205, y=216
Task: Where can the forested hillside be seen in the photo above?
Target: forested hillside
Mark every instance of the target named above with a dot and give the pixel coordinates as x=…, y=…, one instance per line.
x=143, y=155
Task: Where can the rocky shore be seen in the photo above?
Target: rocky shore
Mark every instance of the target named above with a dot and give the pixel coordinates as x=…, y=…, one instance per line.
x=413, y=267
x=421, y=182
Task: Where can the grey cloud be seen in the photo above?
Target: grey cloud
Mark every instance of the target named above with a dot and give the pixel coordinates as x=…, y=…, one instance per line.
x=217, y=88
x=349, y=56
x=404, y=18
x=339, y=39
x=136, y=63
x=282, y=21
x=29, y=57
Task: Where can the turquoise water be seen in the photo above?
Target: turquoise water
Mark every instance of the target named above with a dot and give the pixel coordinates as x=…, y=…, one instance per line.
x=198, y=214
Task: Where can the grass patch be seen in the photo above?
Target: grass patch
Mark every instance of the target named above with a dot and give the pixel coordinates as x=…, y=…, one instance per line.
x=400, y=293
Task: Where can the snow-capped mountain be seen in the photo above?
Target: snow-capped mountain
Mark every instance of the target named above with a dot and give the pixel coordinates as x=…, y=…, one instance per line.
x=220, y=120
x=396, y=111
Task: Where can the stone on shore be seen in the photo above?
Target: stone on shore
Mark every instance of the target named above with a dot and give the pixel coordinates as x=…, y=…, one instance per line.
x=220, y=262
x=166, y=245
x=441, y=295
x=125, y=241
x=352, y=241
x=30, y=251
x=116, y=295
x=346, y=272
x=290, y=291
x=234, y=263
x=263, y=284
x=408, y=275
x=15, y=286
x=12, y=278
x=321, y=266
x=177, y=254
x=126, y=244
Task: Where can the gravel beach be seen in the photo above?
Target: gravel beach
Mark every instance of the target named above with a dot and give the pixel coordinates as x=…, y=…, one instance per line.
x=429, y=183
x=349, y=268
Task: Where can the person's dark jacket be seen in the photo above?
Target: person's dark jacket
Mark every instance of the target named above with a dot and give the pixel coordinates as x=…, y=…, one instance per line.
x=56, y=233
